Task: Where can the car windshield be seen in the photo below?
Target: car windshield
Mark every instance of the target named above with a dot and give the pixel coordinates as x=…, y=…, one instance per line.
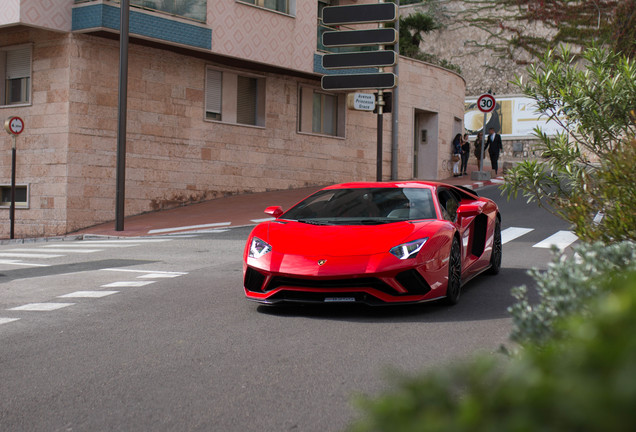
x=362, y=206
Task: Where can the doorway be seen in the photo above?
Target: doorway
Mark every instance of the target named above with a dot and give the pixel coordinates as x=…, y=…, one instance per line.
x=425, y=151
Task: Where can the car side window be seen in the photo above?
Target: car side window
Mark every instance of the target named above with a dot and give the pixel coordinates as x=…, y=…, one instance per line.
x=449, y=203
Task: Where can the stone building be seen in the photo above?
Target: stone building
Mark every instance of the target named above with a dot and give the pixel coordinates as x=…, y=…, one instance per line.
x=224, y=97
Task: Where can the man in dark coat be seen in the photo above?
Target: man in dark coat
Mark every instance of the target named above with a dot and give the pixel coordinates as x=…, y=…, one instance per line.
x=494, y=147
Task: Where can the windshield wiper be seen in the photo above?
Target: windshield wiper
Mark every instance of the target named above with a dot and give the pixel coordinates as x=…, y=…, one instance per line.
x=378, y=221
x=313, y=222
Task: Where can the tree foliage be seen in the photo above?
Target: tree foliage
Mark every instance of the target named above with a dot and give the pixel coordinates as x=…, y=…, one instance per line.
x=412, y=30
x=587, y=175
x=522, y=30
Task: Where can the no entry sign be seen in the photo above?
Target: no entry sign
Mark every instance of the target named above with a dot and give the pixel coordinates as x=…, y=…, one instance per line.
x=14, y=125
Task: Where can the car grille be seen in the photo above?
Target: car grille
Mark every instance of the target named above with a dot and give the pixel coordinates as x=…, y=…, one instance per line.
x=411, y=280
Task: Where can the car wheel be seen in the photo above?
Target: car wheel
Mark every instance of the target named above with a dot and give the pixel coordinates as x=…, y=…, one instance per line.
x=497, y=252
x=453, y=290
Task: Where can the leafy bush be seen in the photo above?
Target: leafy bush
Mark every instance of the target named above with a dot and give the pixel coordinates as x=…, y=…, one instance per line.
x=590, y=168
x=566, y=289
x=584, y=383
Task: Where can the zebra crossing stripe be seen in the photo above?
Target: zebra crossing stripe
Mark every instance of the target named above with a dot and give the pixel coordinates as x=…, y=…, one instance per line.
x=41, y=307
x=28, y=255
x=561, y=239
x=512, y=233
x=59, y=250
x=88, y=294
x=7, y=320
x=20, y=263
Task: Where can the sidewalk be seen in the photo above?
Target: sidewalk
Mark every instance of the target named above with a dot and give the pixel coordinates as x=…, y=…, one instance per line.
x=233, y=211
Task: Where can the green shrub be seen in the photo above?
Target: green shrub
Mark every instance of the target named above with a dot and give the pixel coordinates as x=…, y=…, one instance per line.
x=566, y=288
x=583, y=383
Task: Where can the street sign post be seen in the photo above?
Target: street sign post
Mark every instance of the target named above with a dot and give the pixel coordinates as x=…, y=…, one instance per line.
x=486, y=104
x=370, y=81
x=344, y=38
x=359, y=14
x=379, y=13
x=359, y=59
x=361, y=101
x=14, y=127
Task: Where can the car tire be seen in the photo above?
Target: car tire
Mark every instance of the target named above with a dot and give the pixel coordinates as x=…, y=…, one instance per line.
x=497, y=251
x=454, y=288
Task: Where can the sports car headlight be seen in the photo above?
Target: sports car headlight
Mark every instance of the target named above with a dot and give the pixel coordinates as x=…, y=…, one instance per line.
x=259, y=248
x=408, y=250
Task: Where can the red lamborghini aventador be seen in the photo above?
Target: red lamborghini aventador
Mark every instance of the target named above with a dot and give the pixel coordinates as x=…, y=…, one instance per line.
x=374, y=243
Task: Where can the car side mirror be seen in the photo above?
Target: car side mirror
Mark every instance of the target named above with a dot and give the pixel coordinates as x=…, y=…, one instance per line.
x=274, y=211
x=468, y=210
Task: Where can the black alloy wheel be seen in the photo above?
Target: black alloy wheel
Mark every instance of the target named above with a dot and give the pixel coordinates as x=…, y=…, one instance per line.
x=454, y=274
x=497, y=251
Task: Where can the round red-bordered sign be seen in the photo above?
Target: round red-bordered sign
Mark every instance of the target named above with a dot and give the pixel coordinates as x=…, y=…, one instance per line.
x=486, y=103
x=14, y=125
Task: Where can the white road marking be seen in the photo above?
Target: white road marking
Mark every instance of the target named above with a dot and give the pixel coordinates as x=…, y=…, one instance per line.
x=41, y=307
x=120, y=241
x=263, y=220
x=191, y=227
x=94, y=244
x=159, y=276
x=28, y=255
x=20, y=263
x=512, y=233
x=157, y=272
x=7, y=320
x=561, y=239
x=127, y=284
x=88, y=294
x=59, y=250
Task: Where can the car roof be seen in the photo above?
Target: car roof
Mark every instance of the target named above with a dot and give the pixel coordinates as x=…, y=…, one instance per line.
x=391, y=184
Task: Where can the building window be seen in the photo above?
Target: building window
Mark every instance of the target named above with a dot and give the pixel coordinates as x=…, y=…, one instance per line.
x=321, y=113
x=15, y=67
x=21, y=196
x=325, y=114
x=213, y=94
x=284, y=6
x=234, y=98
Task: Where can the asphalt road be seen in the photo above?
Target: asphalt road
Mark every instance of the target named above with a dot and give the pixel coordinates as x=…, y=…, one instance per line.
x=155, y=335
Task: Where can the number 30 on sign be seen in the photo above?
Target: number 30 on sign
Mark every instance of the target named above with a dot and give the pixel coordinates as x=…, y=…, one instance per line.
x=486, y=103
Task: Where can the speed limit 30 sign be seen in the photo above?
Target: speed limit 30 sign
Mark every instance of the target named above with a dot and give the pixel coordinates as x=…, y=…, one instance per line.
x=486, y=103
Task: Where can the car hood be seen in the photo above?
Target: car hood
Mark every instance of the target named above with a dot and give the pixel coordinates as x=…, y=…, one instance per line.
x=289, y=237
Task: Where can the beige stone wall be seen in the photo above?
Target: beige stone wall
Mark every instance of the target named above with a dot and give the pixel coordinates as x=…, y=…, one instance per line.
x=41, y=160
x=67, y=153
x=430, y=88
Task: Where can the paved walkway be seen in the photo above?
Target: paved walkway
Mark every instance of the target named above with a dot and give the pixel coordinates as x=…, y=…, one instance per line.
x=233, y=211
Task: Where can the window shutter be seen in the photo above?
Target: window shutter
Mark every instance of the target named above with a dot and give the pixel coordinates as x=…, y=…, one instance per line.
x=213, y=87
x=246, y=101
x=18, y=63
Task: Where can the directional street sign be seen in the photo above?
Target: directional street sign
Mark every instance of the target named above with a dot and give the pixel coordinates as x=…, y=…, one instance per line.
x=359, y=59
x=378, y=36
x=360, y=14
x=361, y=101
x=383, y=80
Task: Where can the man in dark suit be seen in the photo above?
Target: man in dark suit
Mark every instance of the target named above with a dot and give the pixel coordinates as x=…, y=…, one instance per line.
x=494, y=147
